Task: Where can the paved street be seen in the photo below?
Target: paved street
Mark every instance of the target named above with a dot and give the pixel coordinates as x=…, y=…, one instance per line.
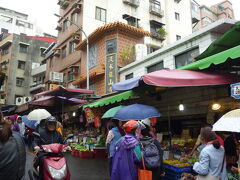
x=81, y=169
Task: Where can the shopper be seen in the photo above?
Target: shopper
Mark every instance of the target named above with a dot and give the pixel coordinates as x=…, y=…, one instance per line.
x=127, y=157
x=12, y=153
x=114, y=134
x=211, y=163
x=21, y=126
x=153, y=154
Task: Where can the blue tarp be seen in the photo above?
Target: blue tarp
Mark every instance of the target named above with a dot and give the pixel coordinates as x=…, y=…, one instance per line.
x=127, y=84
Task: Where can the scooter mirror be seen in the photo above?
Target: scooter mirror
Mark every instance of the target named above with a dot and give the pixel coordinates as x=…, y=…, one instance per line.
x=69, y=136
x=36, y=134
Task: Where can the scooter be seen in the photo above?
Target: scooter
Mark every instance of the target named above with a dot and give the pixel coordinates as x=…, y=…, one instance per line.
x=54, y=163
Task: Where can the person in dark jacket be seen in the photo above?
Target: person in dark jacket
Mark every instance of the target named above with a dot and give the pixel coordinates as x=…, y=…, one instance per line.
x=12, y=153
x=157, y=172
x=48, y=135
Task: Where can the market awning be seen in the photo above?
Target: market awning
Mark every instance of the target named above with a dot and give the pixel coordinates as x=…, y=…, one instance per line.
x=113, y=99
x=65, y=92
x=228, y=40
x=216, y=59
x=180, y=78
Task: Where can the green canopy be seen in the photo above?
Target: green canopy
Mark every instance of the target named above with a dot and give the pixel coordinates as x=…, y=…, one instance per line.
x=228, y=40
x=219, y=58
x=111, y=112
x=113, y=99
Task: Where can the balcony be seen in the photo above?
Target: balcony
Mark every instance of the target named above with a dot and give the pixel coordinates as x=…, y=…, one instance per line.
x=77, y=7
x=156, y=11
x=59, y=27
x=195, y=16
x=134, y=3
x=36, y=86
x=76, y=38
x=63, y=3
x=39, y=70
x=157, y=36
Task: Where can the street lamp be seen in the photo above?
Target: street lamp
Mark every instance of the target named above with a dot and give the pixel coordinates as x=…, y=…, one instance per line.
x=87, y=58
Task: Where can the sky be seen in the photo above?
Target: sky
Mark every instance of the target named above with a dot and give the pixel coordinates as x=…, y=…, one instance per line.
x=41, y=11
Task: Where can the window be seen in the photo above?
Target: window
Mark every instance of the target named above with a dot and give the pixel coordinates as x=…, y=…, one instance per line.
x=70, y=77
x=151, y=49
x=21, y=64
x=132, y=21
x=3, y=30
x=100, y=14
x=178, y=37
x=129, y=76
x=65, y=25
x=177, y=16
x=5, y=51
x=74, y=17
x=72, y=47
x=23, y=48
x=155, y=5
x=20, y=82
x=93, y=56
x=186, y=58
x=64, y=52
x=42, y=51
x=6, y=19
x=155, y=67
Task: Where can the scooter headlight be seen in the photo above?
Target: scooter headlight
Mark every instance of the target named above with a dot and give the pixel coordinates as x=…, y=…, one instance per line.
x=58, y=174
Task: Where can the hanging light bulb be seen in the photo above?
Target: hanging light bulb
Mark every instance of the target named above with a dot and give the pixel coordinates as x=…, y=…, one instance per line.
x=181, y=107
x=216, y=106
x=74, y=114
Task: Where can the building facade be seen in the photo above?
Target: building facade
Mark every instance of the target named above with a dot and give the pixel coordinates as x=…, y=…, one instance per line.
x=19, y=53
x=15, y=22
x=203, y=15
x=178, y=54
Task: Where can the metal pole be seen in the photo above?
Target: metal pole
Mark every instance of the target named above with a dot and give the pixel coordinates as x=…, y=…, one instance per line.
x=87, y=55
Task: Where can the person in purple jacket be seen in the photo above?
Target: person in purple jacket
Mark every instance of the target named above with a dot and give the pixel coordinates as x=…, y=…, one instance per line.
x=127, y=157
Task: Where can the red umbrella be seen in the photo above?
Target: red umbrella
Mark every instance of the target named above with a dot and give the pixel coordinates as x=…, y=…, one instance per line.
x=183, y=78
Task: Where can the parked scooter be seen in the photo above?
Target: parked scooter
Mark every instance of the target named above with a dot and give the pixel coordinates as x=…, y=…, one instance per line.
x=54, y=163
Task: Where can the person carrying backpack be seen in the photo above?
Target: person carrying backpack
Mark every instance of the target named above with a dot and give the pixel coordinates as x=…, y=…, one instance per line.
x=152, y=152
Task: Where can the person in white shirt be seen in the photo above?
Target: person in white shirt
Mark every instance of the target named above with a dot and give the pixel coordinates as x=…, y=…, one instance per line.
x=21, y=126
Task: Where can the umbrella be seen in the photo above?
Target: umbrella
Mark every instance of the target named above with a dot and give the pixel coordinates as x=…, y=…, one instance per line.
x=228, y=122
x=136, y=112
x=111, y=112
x=38, y=114
x=30, y=123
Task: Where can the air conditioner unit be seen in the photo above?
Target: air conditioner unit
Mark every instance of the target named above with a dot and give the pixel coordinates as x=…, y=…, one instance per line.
x=56, y=76
x=19, y=101
x=2, y=101
x=27, y=99
x=76, y=38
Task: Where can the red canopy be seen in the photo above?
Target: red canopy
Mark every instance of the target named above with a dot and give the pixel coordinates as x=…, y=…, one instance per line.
x=181, y=78
x=65, y=92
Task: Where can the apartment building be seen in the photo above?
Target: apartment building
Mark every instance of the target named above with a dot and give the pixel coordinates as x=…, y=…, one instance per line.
x=15, y=22
x=203, y=15
x=178, y=54
x=18, y=54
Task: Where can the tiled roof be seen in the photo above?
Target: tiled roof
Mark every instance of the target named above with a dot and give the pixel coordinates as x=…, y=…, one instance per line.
x=46, y=39
x=113, y=26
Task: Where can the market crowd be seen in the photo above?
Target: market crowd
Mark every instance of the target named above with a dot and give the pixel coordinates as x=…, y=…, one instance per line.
x=134, y=152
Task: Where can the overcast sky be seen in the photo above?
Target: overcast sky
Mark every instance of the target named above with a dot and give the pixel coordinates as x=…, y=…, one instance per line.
x=41, y=11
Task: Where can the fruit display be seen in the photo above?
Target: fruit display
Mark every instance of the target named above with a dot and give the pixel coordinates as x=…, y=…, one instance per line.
x=79, y=147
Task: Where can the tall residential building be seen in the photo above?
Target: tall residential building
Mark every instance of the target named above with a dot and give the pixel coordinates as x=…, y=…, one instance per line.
x=15, y=22
x=203, y=15
x=19, y=53
x=166, y=20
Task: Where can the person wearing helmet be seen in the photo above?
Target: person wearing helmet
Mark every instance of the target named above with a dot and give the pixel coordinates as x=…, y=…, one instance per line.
x=48, y=135
x=127, y=155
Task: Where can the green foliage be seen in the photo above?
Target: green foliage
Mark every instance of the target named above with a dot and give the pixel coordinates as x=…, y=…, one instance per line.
x=162, y=32
x=128, y=54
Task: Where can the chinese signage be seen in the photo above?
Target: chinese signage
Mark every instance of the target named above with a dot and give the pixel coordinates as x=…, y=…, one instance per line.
x=235, y=90
x=111, y=64
x=53, y=86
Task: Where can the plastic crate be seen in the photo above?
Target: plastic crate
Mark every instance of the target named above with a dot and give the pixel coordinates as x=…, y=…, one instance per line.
x=86, y=154
x=178, y=169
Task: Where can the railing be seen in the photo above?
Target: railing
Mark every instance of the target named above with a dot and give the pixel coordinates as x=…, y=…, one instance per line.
x=134, y=3
x=156, y=10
